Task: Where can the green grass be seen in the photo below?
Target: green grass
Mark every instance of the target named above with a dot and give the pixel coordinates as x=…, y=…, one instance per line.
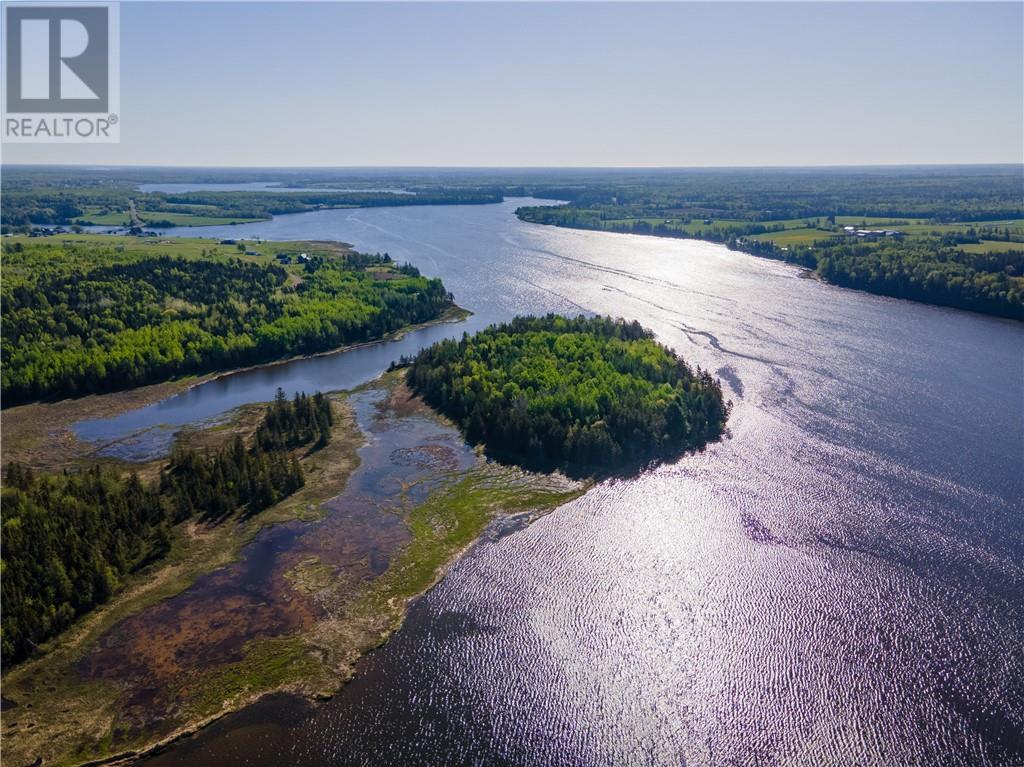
x=266, y=664
x=204, y=215
x=192, y=219
x=453, y=517
x=115, y=218
x=878, y=222
x=185, y=247
x=991, y=246
x=802, y=236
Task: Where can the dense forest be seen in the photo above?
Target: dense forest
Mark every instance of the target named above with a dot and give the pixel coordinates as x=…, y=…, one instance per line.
x=581, y=395
x=69, y=540
x=83, y=318
x=992, y=283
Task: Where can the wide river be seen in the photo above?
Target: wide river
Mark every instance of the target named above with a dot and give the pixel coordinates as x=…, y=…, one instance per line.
x=839, y=582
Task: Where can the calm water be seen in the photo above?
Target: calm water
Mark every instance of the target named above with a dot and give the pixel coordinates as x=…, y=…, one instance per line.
x=839, y=582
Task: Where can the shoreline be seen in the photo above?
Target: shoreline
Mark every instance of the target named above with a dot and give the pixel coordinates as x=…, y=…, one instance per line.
x=31, y=425
x=813, y=272
x=314, y=699
x=452, y=314
x=468, y=502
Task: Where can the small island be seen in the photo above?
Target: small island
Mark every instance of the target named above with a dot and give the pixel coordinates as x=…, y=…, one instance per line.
x=582, y=395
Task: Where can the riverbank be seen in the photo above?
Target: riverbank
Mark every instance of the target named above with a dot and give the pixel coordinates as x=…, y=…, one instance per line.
x=40, y=434
x=218, y=624
x=887, y=263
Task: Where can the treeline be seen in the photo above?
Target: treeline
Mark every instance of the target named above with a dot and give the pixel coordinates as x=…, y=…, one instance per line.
x=942, y=194
x=69, y=540
x=581, y=395
x=946, y=276
x=613, y=220
x=928, y=268
x=267, y=203
x=84, y=319
x=924, y=270
x=979, y=193
x=25, y=206
x=63, y=206
x=256, y=478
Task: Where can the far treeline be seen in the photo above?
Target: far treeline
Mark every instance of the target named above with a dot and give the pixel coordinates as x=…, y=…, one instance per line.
x=945, y=236
x=69, y=540
x=26, y=205
x=85, y=317
x=581, y=395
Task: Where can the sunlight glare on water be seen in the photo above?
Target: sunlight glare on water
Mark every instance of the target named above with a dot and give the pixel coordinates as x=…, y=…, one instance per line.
x=840, y=581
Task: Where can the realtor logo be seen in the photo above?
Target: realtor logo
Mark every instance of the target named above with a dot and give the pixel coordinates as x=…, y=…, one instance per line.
x=57, y=60
x=61, y=72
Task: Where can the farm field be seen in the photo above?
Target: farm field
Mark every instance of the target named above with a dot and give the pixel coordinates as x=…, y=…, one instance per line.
x=204, y=216
x=184, y=247
x=992, y=246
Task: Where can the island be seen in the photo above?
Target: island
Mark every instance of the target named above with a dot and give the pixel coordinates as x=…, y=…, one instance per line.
x=138, y=604
x=580, y=395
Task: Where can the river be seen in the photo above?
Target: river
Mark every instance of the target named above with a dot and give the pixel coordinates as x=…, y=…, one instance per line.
x=839, y=581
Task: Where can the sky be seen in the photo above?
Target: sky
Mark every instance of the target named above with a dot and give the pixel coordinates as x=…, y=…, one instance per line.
x=563, y=84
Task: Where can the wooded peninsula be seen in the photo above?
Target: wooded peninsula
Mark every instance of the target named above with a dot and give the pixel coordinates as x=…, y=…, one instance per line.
x=69, y=540
x=91, y=313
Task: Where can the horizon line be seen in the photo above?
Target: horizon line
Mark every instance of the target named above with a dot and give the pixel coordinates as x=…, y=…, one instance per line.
x=111, y=166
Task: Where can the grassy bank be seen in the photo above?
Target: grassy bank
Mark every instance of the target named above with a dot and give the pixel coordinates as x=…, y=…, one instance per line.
x=69, y=719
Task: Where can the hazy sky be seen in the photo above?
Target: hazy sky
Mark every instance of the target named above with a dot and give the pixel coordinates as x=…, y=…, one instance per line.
x=337, y=84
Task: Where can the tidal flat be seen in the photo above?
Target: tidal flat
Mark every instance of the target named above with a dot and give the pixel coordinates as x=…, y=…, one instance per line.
x=286, y=600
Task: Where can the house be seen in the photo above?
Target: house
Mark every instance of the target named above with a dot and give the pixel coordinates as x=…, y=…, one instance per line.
x=229, y=242
x=303, y=257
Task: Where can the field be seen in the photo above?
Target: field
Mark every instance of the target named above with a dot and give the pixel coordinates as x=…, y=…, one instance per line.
x=992, y=246
x=204, y=215
x=192, y=219
x=803, y=235
x=800, y=236
x=185, y=247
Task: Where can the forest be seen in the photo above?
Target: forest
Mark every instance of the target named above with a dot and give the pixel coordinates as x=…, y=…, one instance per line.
x=582, y=395
x=991, y=283
x=69, y=540
x=84, y=318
